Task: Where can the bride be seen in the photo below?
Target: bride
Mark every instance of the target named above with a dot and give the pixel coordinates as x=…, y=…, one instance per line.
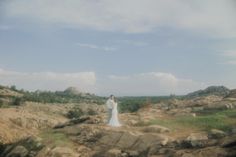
x=114, y=121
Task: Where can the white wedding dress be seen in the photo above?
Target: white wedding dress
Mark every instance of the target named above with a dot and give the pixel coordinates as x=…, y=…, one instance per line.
x=114, y=121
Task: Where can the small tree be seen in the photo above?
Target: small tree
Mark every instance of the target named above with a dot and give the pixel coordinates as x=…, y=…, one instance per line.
x=91, y=112
x=18, y=101
x=13, y=87
x=75, y=113
x=1, y=103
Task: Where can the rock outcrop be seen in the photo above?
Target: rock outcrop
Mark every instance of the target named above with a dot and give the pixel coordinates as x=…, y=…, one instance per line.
x=20, y=122
x=212, y=90
x=28, y=147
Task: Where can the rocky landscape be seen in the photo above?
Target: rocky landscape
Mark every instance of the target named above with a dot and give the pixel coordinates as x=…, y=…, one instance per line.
x=200, y=124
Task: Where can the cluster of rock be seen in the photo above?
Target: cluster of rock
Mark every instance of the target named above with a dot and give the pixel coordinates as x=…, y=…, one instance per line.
x=197, y=104
x=20, y=122
x=28, y=147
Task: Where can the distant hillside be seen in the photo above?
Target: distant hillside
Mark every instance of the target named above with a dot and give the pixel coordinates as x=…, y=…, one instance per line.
x=212, y=90
x=12, y=96
x=9, y=92
x=232, y=94
x=72, y=90
x=9, y=96
x=70, y=95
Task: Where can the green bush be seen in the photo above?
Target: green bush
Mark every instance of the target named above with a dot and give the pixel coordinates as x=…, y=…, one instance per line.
x=75, y=113
x=54, y=139
x=1, y=103
x=17, y=101
x=133, y=104
x=130, y=107
x=91, y=112
x=13, y=87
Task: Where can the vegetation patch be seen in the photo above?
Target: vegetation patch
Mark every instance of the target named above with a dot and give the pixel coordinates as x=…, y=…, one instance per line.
x=133, y=104
x=223, y=120
x=54, y=139
x=17, y=97
x=76, y=112
x=61, y=97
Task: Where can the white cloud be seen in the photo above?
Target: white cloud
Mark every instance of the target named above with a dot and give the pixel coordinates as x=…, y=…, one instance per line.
x=153, y=83
x=93, y=46
x=133, y=42
x=232, y=62
x=84, y=81
x=4, y=28
x=214, y=17
x=230, y=55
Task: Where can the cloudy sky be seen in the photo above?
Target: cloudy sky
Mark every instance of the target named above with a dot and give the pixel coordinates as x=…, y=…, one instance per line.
x=123, y=47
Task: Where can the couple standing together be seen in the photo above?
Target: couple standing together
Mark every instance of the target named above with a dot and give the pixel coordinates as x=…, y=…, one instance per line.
x=112, y=112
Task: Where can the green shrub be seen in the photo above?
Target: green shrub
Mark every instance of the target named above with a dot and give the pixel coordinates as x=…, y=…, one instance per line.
x=54, y=139
x=1, y=103
x=17, y=101
x=75, y=113
x=13, y=87
x=91, y=112
x=130, y=107
x=133, y=104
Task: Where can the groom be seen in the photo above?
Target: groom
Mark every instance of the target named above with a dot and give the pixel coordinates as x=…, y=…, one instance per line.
x=109, y=105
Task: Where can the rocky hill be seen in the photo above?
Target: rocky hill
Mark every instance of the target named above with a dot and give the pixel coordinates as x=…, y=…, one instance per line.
x=13, y=97
x=9, y=92
x=28, y=119
x=232, y=94
x=212, y=90
x=72, y=90
x=9, y=96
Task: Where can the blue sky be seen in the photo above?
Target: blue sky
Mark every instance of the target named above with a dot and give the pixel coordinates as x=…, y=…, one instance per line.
x=126, y=47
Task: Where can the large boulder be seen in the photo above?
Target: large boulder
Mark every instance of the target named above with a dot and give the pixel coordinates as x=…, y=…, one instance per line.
x=229, y=141
x=147, y=140
x=127, y=140
x=232, y=94
x=113, y=153
x=62, y=152
x=204, y=152
x=224, y=104
x=215, y=133
x=196, y=140
x=24, y=148
x=18, y=151
x=155, y=129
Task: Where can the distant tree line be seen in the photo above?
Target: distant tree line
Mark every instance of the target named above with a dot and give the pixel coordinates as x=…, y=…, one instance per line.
x=67, y=96
x=70, y=95
x=133, y=104
x=61, y=97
